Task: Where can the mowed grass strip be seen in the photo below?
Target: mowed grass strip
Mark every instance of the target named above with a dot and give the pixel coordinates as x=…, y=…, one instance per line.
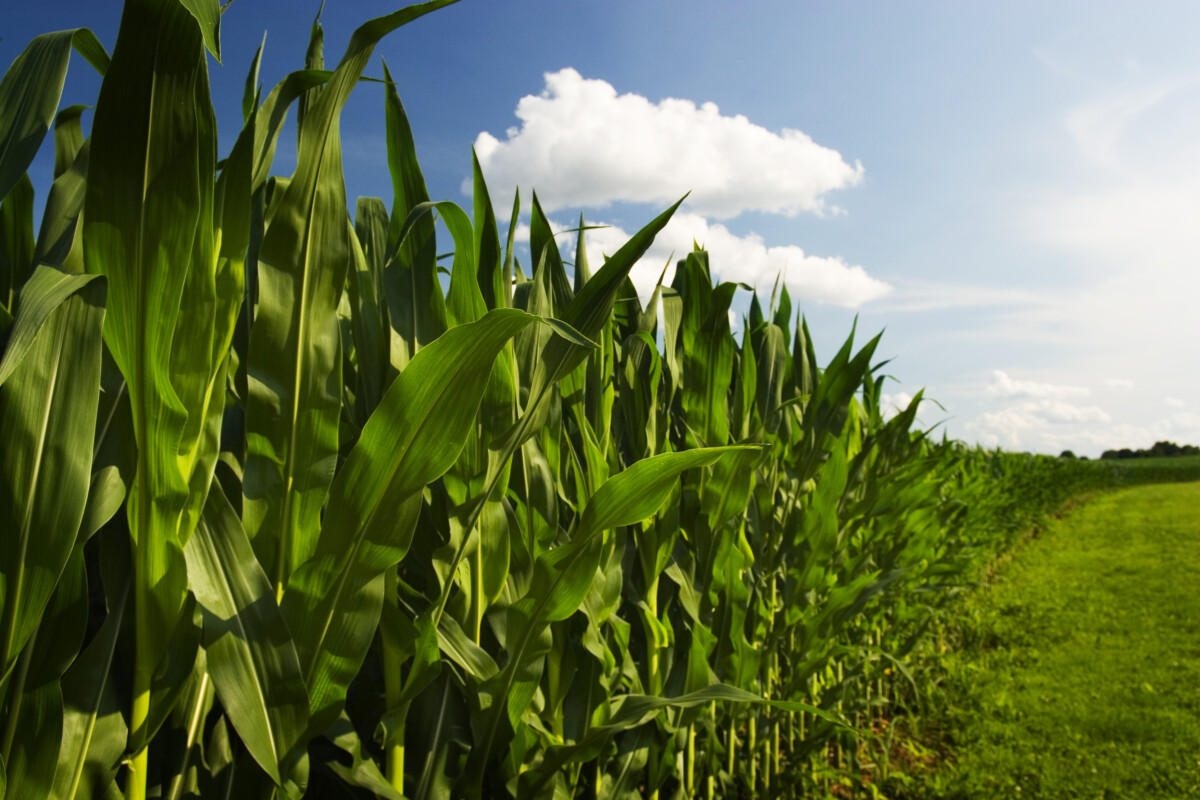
x=1084, y=680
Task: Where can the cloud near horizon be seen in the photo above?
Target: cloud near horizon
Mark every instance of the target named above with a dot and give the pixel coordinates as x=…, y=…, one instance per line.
x=581, y=145
x=744, y=259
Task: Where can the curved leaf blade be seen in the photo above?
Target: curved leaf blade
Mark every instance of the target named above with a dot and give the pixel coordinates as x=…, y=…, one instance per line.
x=251, y=656
x=413, y=437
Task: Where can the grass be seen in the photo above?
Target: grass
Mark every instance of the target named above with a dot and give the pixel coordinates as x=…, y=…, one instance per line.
x=1077, y=674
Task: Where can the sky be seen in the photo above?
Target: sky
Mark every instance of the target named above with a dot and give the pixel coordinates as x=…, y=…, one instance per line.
x=1010, y=191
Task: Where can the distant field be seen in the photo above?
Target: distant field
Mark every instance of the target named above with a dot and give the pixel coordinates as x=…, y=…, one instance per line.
x=1153, y=470
x=1180, y=463
x=1078, y=668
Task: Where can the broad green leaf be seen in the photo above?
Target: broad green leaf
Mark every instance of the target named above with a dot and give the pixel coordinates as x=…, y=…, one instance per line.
x=413, y=437
x=208, y=16
x=147, y=221
x=295, y=356
x=47, y=420
x=214, y=291
x=45, y=292
x=251, y=657
x=637, y=493
x=29, y=95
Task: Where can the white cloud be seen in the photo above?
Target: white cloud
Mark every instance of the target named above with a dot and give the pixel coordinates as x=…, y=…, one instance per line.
x=580, y=144
x=1118, y=383
x=1058, y=411
x=1100, y=126
x=747, y=259
x=1004, y=386
x=1029, y=423
x=1174, y=402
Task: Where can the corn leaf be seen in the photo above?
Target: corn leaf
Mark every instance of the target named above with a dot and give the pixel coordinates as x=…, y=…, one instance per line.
x=147, y=220
x=250, y=653
x=29, y=95
x=413, y=437
x=94, y=731
x=47, y=419
x=562, y=578
x=295, y=356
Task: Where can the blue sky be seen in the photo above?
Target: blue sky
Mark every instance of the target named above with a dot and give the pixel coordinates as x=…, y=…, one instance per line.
x=1011, y=190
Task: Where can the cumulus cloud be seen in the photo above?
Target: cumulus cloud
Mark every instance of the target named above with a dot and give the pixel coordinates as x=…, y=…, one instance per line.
x=1004, y=386
x=1174, y=402
x=580, y=144
x=746, y=259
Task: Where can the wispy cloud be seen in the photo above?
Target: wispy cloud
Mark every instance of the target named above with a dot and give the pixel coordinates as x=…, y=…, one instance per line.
x=745, y=259
x=1004, y=386
x=920, y=296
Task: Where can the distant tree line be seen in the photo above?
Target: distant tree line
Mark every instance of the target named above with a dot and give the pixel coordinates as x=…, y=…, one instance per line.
x=1159, y=450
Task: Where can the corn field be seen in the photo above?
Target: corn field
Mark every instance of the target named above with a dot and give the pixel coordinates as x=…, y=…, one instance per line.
x=290, y=508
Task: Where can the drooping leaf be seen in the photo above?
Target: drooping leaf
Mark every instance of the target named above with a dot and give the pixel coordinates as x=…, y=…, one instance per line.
x=29, y=95
x=251, y=657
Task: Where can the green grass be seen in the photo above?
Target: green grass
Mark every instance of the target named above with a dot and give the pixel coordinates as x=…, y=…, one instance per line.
x=1078, y=673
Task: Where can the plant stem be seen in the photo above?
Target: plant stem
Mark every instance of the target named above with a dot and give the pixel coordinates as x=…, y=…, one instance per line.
x=135, y=781
x=193, y=730
x=751, y=747
x=653, y=680
x=477, y=600
x=393, y=688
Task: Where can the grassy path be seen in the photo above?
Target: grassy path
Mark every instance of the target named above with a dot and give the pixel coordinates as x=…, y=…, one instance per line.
x=1082, y=676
